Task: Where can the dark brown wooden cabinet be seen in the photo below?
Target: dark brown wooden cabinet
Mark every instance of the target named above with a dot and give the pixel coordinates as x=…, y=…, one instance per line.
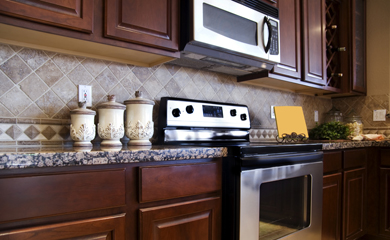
x=384, y=193
x=344, y=194
x=71, y=14
x=147, y=200
x=147, y=22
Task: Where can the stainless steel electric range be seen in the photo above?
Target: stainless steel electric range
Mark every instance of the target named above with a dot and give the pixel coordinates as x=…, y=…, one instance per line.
x=270, y=190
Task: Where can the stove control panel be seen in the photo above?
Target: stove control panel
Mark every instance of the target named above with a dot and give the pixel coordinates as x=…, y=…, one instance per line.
x=192, y=113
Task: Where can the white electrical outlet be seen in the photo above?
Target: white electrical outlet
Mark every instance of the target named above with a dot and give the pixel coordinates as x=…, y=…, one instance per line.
x=85, y=94
x=379, y=115
x=272, y=112
x=315, y=116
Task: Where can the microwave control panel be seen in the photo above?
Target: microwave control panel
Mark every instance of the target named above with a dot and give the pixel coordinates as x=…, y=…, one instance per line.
x=274, y=48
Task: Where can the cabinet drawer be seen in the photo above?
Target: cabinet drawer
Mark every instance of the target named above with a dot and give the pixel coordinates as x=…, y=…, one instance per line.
x=332, y=161
x=42, y=195
x=385, y=157
x=355, y=158
x=167, y=182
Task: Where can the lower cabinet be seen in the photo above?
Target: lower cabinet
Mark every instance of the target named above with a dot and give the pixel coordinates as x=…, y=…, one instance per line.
x=344, y=194
x=104, y=228
x=188, y=220
x=167, y=200
x=384, y=193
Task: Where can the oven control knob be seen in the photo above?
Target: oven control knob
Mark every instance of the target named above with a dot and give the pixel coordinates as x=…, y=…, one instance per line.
x=176, y=112
x=189, y=109
x=243, y=117
x=233, y=112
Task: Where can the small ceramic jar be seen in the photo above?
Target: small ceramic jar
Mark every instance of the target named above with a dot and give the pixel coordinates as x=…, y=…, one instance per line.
x=82, y=127
x=110, y=126
x=139, y=120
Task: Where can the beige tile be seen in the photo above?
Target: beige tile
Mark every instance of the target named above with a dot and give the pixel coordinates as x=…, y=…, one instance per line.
x=34, y=58
x=163, y=75
x=64, y=113
x=7, y=120
x=141, y=73
x=119, y=70
x=97, y=94
x=5, y=83
x=120, y=93
x=153, y=86
x=173, y=69
x=49, y=73
x=107, y=80
x=93, y=66
x=80, y=76
x=131, y=83
x=33, y=87
x=172, y=88
x=50, y=104
x=65, y=62
x=65, y=89
x=15, y=69
x=15, y=101
x=32, y=111
x=5, y=52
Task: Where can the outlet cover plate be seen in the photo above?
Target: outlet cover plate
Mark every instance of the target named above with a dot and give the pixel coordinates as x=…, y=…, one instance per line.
x=272, y=112
x=379, y=115
x=85, y=94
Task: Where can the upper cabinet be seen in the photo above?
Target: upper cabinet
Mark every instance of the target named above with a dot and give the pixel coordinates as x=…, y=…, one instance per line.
x=143, y=33
x=271, y=2
x=71, y=14
x=148, y=22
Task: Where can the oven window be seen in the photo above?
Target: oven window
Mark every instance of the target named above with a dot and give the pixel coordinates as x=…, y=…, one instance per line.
x=229, y=25
x=284, y=207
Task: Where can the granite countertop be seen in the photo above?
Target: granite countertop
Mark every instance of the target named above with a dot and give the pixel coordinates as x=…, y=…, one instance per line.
x=35, y=157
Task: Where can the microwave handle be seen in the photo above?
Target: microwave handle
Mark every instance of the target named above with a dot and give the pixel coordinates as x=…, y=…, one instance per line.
x=268, y=46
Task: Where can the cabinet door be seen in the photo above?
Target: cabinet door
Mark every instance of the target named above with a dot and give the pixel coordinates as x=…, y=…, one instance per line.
x=104, y=228
x=290, y=39
x=313, y=42
x=331, y=207
x=384, y=208
x=71, y=14
x=358, y=47
x=148, y=22
x=200, y=219
x=354, y=212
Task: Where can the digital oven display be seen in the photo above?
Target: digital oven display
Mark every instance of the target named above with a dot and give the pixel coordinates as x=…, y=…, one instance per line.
x=212, y=111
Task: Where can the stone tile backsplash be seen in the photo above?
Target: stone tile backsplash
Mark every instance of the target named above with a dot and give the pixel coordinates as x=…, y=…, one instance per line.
x=39, y=88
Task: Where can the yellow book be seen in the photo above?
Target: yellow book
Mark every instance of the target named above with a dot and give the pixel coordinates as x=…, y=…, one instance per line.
x=290, y=119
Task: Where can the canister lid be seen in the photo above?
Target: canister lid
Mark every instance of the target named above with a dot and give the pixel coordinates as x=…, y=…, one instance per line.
x=111, y=104
x=139, y=99
x=82, y=110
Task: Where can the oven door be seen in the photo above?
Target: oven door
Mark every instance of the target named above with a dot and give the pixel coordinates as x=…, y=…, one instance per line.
x=282, y=202
x=238, y=29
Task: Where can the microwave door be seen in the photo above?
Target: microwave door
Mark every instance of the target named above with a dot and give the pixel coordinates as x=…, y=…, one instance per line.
x=228, y=25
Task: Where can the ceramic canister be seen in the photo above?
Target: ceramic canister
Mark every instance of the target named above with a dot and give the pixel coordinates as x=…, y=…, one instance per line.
x=139, y=120
x=110, y=126
x=82, y=128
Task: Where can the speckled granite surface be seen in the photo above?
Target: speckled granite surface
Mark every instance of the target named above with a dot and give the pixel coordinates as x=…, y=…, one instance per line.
x=33, y=157
x=11, y=158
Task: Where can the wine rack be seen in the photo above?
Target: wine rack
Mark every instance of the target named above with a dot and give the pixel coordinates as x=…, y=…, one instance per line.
x=333, y=50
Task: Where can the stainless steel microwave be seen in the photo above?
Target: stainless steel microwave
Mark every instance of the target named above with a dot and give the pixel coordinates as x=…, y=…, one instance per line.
x=233, y=33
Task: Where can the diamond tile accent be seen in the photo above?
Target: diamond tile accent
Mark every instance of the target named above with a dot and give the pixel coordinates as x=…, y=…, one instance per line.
x=65, y=133
x=15, y=101
x=5, y=52
x=15, y=69
x=49, y=73
x=34, y=58
x=33, y=86
x=31, y=132
x=14, y=132
x=48, y=133
x=107, y=80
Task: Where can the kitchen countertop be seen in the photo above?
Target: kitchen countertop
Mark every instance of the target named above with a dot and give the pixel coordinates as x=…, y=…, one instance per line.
x=36, y=157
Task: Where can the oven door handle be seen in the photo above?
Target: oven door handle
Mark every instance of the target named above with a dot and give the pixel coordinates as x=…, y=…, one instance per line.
x=274, y=160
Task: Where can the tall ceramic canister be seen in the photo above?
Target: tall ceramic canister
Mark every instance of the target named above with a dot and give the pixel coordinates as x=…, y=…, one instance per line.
x=110, y=126
x=82, y=127
x=139, y=120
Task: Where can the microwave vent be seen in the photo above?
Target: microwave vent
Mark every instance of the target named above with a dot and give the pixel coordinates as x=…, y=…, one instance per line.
x=260, y=7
